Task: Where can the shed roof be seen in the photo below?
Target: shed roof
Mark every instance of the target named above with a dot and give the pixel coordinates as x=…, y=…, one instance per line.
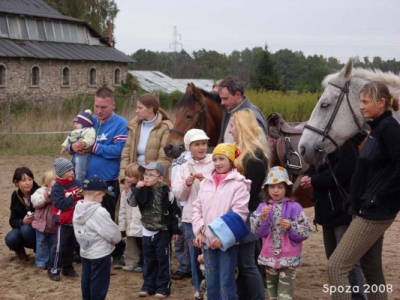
x=36, y=8
x=156, y=81
x=61, y=51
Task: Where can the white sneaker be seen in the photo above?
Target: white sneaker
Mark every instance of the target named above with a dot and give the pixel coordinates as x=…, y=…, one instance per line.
x=159, y=295
x=198, y=296
x=143, y=294
x=128, y=268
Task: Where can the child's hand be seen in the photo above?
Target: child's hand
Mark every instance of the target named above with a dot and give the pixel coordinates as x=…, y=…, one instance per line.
x=199, y=176
x=285, y=224
x=215, y=243
x=198, y=240
x=265, y=212
x=47, y=193
x=190, y=180
x=175, y=238
x=140, y=184
x=200, y=259
x=305, y=182
x=63, y=150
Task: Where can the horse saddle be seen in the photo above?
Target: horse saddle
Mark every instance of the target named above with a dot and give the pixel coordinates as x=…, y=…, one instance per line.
x=286, y=139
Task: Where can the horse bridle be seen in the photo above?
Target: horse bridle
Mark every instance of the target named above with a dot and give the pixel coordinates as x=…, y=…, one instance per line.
x=202, y=115
x=325, y=133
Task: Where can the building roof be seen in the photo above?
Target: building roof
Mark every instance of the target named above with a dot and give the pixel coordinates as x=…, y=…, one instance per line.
x=156, y=81
x=36, y=8
x=61, y=51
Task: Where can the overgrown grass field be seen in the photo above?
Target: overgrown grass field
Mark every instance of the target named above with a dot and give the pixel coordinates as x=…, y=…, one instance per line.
x=25, y=126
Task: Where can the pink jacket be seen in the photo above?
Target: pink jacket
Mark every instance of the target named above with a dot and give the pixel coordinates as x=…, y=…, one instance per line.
x=43, y=218
x=212, y=202
x=189, y=193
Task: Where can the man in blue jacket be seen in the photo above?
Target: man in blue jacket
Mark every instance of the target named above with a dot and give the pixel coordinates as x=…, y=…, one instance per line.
x=111, y=135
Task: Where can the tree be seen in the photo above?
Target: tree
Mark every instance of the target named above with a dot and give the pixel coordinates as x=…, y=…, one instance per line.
x=98, y=13
x=265, y=75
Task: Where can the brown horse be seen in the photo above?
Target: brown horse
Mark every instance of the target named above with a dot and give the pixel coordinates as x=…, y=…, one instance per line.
x=203, y=110
x=197, y=109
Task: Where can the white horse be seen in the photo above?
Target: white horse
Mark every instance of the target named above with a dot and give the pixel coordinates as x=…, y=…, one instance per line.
x=337, y=116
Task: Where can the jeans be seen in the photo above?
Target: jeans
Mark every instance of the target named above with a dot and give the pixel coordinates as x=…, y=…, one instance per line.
x=44, y=247
x=182, y=254
x=95, y=278
x=81, y=163
x=19, y=238
x=332, y=236
x=194, y=252
x=249, y=283
x=220, y=273
x=157, y=263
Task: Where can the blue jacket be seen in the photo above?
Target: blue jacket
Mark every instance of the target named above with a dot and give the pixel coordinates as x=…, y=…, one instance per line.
x=106, y=152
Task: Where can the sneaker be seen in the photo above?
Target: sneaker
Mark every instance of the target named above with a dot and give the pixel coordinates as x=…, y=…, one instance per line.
x=138, y=269
x=198, y=296
x=178, y=275
x=41, y=267
x=128, y=268
x=161, y=295
x=22, y=255
x=71, y=273
x=54, y=277
x=143, y=294
x=118, y=262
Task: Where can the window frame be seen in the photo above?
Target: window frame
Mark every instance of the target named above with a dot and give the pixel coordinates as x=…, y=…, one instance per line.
x=90, y=77
x=69, y=76
x=3, y=76
x=115, y=83
x=39, y=76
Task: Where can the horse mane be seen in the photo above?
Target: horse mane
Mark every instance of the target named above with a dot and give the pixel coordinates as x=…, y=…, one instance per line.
x=188, y=98
x=388, y=78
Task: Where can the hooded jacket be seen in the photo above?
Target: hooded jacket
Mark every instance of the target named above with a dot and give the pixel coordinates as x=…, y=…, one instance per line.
x=19, y=208
x=94, y=230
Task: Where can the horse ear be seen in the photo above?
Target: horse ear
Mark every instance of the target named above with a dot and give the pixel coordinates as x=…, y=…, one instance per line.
x=188, y=88
x=196, y=92
x=345, y=73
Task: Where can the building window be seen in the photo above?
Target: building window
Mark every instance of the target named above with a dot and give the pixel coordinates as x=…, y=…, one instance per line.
x=35, y=76
x=92, y=76
x=3, y=71
x=65, y=77
x=117, y=76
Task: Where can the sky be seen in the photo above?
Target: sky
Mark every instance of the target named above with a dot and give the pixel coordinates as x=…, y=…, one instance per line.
x=338, y=28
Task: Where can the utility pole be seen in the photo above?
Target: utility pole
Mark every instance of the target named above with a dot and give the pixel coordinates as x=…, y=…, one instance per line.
x=175, y=45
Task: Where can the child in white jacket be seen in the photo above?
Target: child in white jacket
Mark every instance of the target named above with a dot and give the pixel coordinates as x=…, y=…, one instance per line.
x=96, y=234
x=130, y=224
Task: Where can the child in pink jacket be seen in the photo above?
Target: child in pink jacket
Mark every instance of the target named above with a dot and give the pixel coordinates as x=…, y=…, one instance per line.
x=219, y=214
x=283, y=226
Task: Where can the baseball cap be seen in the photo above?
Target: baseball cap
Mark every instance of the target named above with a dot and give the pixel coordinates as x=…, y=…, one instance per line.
x=95, y=183
x=153, y=166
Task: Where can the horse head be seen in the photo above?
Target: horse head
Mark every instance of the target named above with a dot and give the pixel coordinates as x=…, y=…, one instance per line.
x=335, y=118
x=196, y=109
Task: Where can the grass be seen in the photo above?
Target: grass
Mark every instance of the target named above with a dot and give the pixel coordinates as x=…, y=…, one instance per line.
x=20, y=119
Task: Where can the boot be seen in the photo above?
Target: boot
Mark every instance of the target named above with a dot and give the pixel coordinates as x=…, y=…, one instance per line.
x=22, y=254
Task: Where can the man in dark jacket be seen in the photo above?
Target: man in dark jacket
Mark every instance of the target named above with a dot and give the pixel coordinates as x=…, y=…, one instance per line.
x=330, y=191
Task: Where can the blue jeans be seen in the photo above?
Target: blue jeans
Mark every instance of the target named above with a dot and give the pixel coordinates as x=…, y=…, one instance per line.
x=249, y=282
x=95, y=277
x=182, y=254
x=157, y=263
x=44, y=247
x=220, y=273
x=194, y=252
x=332, y=236
x=81, y=163
x=19, y=238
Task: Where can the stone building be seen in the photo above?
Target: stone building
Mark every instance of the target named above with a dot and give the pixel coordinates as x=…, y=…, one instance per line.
x=45, y=55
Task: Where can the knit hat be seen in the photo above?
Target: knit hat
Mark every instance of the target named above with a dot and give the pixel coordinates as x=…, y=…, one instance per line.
x=277, y=175
x=95, y=183
x=85, y=118
x=153, y=166
x=194, y=135
x=228, y=150
x=229, y=228
x=62, y=166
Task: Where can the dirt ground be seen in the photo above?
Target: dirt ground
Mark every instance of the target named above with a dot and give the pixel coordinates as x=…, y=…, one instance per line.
x=20, y=280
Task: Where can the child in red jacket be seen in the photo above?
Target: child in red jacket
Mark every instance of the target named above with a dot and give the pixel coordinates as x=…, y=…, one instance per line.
x=64, y=195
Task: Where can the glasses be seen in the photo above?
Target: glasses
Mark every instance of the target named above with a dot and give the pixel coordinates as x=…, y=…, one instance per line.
x=150, y=175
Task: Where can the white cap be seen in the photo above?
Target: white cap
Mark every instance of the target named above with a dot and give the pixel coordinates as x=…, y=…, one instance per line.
x=194, y=135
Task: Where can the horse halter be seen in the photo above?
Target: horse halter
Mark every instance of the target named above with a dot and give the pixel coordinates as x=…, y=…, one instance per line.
x=201, y=114
x=325, y=132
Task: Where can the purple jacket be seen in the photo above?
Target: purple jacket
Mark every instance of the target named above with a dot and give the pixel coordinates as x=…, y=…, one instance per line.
x=291, y=240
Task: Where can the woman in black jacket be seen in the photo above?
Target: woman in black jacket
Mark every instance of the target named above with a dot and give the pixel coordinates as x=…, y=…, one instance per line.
x=374, y=196
x=22, y=234
x=329, y=200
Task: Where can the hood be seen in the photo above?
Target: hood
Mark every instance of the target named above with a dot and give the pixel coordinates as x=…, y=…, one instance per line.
x=83, y=211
